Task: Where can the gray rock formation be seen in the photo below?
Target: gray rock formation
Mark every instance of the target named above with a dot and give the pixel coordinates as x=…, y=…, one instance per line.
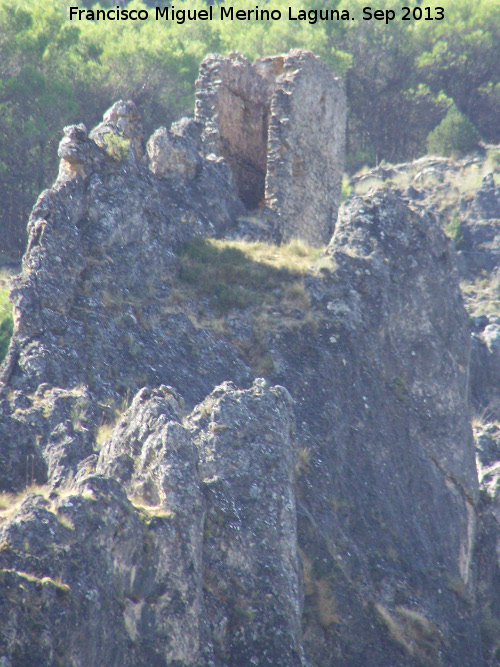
x=325, y=516
x=387, y=477
x=181, y=550
x=468, y=209
x=486, y=204
x=88, y=304
x=480, y=230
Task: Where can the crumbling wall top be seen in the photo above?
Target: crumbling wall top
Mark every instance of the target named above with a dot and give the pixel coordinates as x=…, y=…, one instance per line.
x=280, y=124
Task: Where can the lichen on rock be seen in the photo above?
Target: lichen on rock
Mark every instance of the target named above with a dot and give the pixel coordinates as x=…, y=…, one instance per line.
x=167, y=505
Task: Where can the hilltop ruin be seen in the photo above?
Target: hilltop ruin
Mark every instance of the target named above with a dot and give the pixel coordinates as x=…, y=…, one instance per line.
x=280, y=124
x=323, y=514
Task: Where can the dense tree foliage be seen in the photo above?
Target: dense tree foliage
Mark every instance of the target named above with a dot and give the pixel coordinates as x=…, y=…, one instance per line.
x=401, y=78
x=455, y=135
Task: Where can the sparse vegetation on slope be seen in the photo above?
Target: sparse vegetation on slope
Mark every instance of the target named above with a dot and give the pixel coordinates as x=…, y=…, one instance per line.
x=221, y=282
x=236, y=274
x=441, y=182
x=6, y=321
x=482, y=295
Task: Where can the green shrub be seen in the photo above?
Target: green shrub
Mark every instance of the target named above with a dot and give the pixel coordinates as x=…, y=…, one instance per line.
x=454, y=136
x=116, y=147
x=6, y=321
x=454, y=231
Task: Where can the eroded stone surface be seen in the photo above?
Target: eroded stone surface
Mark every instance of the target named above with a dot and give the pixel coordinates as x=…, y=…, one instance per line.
x=151, y=561
x=386, y=476
x=252, y=572
x=175, y=154
x=88, y=303
x=328, y=523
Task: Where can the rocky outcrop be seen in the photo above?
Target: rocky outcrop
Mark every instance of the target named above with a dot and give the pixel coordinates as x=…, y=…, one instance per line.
x=465, y=196
x=485, y=364
x=175, y=154
x=179, y=550
x=88, y=304
x=252, y=575
x=324, y=516
x=386, y=476
x=486, y=203
x=488, y=539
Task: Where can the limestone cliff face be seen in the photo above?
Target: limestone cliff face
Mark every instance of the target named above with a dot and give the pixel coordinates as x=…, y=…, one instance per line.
x=323, y=516
x=180, y=549
x=391, y=495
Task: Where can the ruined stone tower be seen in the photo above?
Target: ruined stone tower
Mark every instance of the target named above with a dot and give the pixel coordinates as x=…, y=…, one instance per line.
x=280, y=124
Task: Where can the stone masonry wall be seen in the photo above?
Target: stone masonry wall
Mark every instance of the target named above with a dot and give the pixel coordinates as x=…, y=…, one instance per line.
x=233, y=103
x=305, y=152
x=280, y=124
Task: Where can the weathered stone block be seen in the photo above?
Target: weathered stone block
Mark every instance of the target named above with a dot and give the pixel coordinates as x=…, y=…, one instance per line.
x=171, y=156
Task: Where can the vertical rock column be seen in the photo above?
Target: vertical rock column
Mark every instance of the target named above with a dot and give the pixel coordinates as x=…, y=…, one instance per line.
x=154, y=458
x=251, y=571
